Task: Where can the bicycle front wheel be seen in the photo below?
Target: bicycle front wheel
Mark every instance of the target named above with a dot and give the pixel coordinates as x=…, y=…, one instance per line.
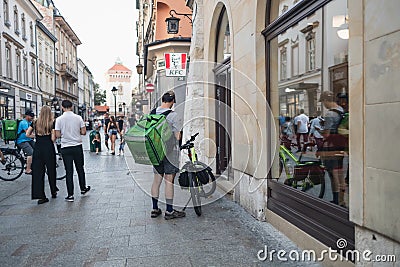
x=194, y=192
x=12, y=167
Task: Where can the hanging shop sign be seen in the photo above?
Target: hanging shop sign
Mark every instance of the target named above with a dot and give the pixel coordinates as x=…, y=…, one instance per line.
x=175, y=64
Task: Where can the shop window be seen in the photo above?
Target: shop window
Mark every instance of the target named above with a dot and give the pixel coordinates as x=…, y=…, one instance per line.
x=311, y=164
x=300, y=108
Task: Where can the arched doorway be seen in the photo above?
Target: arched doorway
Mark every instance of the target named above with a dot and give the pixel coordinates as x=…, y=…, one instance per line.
x=222, y=72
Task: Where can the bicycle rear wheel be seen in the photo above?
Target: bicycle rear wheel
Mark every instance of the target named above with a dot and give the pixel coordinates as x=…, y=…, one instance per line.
x=12, y=168
x=194, y=192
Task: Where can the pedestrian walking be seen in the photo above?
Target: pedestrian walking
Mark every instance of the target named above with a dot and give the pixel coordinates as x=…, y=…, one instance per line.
x=113, y=130
x=44, y=155
x=316, y=127
x=167, y=169
x=24, y=141
x=70, y=127
x=301, y=121
x=121, y=144
x=106, y=134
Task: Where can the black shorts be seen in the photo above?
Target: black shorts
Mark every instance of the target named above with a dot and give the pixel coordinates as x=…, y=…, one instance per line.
x=332, y=163
x=169, y=165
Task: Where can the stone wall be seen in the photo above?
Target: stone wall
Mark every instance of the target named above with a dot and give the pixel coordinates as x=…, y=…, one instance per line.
x=374, y=56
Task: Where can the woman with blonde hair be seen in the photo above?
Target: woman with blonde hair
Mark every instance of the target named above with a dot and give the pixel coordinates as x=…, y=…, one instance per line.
x=113, y=128
x=44, y=155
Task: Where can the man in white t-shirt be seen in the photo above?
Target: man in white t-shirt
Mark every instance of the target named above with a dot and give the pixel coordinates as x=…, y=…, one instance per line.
x=301, y=121
x=70, y=127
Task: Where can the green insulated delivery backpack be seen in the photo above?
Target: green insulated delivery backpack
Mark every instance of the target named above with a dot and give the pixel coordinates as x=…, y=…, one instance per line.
x=10, y=129
x=149, y=139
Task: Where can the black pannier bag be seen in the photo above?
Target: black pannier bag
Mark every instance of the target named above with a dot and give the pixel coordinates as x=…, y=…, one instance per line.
x=313, y=170
x=183, y=180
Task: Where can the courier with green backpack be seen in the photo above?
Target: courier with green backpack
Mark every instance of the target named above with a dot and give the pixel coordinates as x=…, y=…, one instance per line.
x=149, y=140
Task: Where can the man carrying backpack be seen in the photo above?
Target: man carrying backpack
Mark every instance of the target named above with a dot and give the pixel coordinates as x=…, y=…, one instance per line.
x=168, y=168
x=26, y=143
x=332, y=151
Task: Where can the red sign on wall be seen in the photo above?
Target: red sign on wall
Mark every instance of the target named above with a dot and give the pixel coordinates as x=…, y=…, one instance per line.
x=149, y=87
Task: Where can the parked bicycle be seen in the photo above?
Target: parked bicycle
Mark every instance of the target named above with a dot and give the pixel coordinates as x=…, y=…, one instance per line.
x=15, y=162
x=196, y=176
x=308, y=175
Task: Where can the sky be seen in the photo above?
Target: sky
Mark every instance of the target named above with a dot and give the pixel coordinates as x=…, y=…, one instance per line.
x=107, y=30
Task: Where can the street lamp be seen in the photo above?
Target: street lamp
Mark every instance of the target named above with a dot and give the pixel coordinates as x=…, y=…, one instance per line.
x=114, y=92
x=139, y=68
x=123, y=105
x=56, y=107
x=173, y=22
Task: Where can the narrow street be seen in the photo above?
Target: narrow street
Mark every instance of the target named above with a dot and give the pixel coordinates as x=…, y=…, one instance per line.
x=111, y=226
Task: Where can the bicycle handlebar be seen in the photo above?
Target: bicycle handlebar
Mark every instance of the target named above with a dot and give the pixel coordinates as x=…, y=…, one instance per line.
x=189, y=142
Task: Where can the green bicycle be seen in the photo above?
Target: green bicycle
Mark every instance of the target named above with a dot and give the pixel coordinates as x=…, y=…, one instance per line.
x=307, y=175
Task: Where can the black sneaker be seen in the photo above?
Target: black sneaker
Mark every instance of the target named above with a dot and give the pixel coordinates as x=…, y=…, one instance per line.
x=174, y=214
x=84, y=191
x=69, y=198
x=156, y=213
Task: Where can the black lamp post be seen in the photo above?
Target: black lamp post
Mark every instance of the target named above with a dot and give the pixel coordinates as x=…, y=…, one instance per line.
x=123, y=105
x=114, y=91
x=56, y=107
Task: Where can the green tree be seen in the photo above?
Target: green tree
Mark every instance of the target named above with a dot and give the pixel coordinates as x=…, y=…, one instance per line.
x=99, y=97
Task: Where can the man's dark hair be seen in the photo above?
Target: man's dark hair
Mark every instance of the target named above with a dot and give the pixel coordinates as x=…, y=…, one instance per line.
x=301, y=111
x=168, y=97
x=66, y=104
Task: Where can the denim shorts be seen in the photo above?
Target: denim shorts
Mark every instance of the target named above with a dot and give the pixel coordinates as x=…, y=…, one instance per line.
x=27, y=147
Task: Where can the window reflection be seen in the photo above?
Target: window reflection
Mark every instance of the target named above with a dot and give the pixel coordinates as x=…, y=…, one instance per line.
x=284, y=6
x=312, y=90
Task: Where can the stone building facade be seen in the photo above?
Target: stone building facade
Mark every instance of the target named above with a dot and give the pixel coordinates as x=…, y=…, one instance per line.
x=252, y=62
x=18, y=67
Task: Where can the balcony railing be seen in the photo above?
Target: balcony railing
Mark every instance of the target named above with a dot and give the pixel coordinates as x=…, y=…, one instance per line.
x=68, y=72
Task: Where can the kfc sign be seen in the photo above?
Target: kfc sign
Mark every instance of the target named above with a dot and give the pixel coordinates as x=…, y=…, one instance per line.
x=175, y=64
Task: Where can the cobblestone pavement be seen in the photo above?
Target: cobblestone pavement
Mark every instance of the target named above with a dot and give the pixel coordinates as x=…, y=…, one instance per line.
x=111, y=226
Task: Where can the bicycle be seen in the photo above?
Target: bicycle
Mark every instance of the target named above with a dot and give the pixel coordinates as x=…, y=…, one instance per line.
x=196, y=176
x=15, y=163
x=304, y=174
